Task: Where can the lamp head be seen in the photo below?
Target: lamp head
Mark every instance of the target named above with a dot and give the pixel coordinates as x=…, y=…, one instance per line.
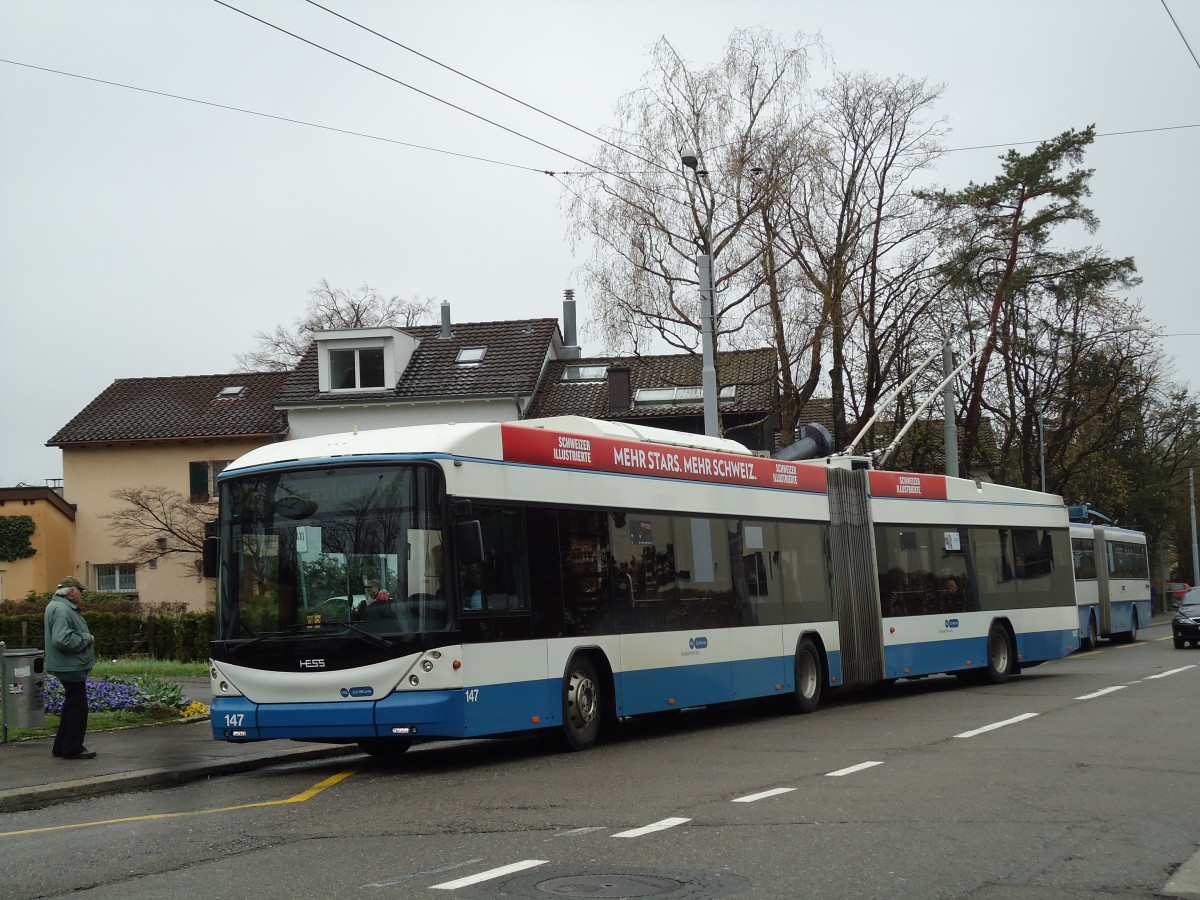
x=688, y=157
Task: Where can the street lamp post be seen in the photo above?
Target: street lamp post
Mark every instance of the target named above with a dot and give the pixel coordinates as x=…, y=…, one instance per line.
x=704, y=263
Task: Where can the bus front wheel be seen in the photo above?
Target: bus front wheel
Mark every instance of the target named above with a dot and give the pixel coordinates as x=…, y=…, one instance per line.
x=582, y=704
x=385, y=747
x=810, y=676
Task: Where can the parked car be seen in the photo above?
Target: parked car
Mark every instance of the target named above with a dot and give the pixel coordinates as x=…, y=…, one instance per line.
x=1185, y=626
x=1173, y=591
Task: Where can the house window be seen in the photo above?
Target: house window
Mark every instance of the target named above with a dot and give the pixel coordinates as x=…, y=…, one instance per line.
x=116, y=578
x=471, y=356
x=356, y=369
x=677, y=396
x=231, y=392
x=584, y=373
x=202, y=478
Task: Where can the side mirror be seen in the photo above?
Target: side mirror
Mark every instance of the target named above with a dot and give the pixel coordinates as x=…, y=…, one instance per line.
x=468, y=541
x=212, y=550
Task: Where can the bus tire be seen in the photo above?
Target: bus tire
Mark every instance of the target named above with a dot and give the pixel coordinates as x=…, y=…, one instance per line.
x=1128, y=637
x=583, y=704
x=385, y=747
x=999, y=655
x=1088, y=641
x=810, y=676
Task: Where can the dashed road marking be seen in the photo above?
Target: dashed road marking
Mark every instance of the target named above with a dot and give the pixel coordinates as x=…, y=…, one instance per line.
x=1102, y=692
x=852, y=769
x=649, y=829
x=489, y=875
x=763, y=795
x=1014, y=720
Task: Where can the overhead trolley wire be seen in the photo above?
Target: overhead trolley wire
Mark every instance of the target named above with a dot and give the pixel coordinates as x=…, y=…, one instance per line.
x=404, y=84
x=254, y=112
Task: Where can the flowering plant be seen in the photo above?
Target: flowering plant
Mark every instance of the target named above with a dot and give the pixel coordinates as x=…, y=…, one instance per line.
x=104, y=695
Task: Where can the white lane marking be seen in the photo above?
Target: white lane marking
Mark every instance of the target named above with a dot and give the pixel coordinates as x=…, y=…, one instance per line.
x=995, y=725
x=489, y=874
x=775, y=792
x=1171, y=672
x=585, y=830
x=1101, y=693
x=421, y=873
x=648, y=829
x=852, y=769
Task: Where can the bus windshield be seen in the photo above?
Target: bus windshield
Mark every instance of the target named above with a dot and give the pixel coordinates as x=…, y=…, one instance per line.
x=358, y=547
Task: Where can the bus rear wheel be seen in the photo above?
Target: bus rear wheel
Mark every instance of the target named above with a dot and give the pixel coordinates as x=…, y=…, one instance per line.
x=582, y=704
x=385, y=747
x=1089, y=640
x=810, y=676
x=999, y=655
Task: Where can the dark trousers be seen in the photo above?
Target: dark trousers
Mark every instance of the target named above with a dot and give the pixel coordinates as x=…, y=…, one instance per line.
x=71, y=727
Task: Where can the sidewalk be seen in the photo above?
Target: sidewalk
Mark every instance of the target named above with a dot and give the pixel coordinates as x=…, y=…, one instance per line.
x=134, y=759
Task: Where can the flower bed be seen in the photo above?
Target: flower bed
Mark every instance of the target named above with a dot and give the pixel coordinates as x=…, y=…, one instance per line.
x=138, y=695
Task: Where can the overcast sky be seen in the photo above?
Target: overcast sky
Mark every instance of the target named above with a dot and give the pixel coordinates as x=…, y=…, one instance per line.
x=142, y=235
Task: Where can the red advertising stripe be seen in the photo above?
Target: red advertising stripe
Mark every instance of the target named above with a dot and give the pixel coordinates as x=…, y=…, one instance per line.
x=907, y=485
x=542, y=447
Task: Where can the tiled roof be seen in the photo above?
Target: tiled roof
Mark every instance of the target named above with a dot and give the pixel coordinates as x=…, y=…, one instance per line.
x=139, y=409
x=516, y=351
x=751, y=372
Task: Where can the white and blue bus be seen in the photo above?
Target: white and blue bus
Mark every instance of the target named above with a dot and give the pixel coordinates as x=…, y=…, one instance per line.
x=565, y=573
x=1112, y=582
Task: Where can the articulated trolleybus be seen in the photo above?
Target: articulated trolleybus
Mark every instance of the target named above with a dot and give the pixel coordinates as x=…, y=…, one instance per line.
x=1112, y=582
x=459, y=581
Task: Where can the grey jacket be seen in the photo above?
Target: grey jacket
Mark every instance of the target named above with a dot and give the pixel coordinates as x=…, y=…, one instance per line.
x=69, y=647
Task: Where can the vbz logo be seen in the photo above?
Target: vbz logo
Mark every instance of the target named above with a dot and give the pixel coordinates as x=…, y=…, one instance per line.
x=697, y=643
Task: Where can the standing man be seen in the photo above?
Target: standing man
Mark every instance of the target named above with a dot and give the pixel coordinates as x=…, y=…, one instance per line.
x=70, y=655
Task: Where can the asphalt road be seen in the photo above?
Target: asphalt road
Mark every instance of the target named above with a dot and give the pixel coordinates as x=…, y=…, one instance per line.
x=1076, y=779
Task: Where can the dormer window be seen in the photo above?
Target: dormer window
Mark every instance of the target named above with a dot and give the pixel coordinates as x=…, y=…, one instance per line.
x=356, y=369
x=471, y=356
x=678, y=396
x=584, y=373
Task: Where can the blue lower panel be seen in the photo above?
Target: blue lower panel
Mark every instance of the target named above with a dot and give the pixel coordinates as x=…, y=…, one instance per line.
x=758, y=677
x=1041, y=645
x=934, y=657
x=502, y=708
x=431, y=713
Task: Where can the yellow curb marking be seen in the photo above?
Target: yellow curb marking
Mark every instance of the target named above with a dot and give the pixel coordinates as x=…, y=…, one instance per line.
x=298, y=798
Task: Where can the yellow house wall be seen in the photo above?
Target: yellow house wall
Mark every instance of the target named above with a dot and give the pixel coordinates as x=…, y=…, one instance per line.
x=53, y=539
x=92, y=473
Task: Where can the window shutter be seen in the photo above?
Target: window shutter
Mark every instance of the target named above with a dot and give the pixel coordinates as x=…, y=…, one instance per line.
x=198, y=478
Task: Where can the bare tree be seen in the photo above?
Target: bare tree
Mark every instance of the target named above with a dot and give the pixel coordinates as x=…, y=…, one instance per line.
x=331, y=308
x=862, y=241
x=647, y=219
x=158, y=523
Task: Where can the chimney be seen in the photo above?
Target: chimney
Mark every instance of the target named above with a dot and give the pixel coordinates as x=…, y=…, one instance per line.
x=619, y=395
x=570, y=348
x=446, y=333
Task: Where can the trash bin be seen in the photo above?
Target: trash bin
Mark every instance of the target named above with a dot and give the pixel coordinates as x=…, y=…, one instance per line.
x=24, y=675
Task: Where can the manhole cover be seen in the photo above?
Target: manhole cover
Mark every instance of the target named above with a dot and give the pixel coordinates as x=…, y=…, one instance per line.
x=609, y=886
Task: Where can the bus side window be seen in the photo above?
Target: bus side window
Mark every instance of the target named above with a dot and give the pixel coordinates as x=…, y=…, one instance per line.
x=497, y=582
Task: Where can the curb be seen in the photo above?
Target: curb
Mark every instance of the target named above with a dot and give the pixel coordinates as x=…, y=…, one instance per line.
x=17, y=799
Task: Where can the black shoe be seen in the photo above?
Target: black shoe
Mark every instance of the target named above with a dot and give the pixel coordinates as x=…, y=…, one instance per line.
x=86, y=754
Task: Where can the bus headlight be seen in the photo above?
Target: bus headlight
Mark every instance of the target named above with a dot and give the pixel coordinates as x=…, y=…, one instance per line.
x=427, y=666
x=414, y=680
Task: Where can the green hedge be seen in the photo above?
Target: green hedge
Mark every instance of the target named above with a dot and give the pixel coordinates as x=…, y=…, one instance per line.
x=124, y=628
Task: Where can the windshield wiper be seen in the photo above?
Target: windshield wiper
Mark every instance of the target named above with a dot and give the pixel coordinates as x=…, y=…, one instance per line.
x=298, y=629
x=369, y=636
